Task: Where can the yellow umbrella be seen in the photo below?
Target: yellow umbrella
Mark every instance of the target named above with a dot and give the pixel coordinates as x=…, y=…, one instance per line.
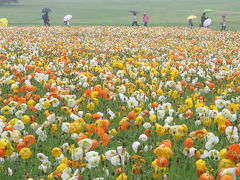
x=3, y=22
x=191, y=17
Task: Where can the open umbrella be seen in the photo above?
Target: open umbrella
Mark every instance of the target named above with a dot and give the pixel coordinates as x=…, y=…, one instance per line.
x=224, y=14
x=207, y=10
x=67, y=17
x=46, y=10
x=3, y=22
x=191, y=17
x=132, y=11
x=207, y=22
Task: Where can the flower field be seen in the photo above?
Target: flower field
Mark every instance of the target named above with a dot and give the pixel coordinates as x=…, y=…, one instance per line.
x=119, y=103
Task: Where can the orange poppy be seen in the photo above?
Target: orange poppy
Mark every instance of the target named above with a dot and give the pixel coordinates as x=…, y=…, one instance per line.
x=91, y=128
x=137, y=168
x=132, y=115
x=20, y=146
x=87, y=93
x=100, y=131
x=32, y=108
x=124, y=125
x=96, y=116
x=162, y=162
x=167, y=143
x=105, y=139
x=81, y=136
x=148, y=132
x=8, y=127
x=2, y=151
x=95, y=144
x=206, y=176
x=188, y=143
x=29, y=140
x=105, y=124
x=237, y=171
x=234, y=152
x=227, y=177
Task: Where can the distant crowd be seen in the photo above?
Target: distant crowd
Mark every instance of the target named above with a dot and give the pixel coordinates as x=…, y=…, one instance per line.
x=205, y=21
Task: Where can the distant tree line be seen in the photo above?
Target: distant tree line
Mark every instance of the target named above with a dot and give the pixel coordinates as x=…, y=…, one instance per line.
x=8, y=1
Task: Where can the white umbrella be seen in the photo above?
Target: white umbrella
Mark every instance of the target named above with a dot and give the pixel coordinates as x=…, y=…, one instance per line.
x=207, y=22
x=67, y=17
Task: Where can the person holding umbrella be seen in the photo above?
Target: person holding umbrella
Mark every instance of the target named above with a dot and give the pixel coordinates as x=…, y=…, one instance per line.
x=203, y=19
x=190, y=20
x=45, y=16
x=223, y=23
x=145, y=19
x=135, y=19
x=67, y=19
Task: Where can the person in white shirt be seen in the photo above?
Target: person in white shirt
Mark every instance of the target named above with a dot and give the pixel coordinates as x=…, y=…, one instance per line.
x=135, y=19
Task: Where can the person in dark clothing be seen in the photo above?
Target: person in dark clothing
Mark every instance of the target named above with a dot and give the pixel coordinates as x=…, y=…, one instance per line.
x=190, y=23
x=203, y=19
x=45, y=18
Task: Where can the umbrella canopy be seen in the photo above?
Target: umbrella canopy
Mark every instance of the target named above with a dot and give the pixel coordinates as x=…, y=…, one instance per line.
x=3, y=22
x=46, y=10
x=207, y=22
x=67, y=17
x=191, y=17
x=224, y=14
x=207, y=10
x=132, y=11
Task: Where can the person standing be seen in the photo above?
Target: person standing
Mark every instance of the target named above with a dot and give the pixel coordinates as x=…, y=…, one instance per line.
x=203, y=19
x=135, y=19
x=45, y=18
x=190, y=23
x=223, y=23
x=145, y=19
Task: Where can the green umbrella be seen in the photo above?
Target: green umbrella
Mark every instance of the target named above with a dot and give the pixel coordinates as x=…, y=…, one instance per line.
x=207, y=10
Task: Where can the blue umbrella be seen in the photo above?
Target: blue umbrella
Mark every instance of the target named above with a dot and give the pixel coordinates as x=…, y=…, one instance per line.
x=46, y=10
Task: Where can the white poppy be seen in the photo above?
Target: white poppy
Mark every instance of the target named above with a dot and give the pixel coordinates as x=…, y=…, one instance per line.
x=115, y=160
x=220, y=103
x=55, y=102
x=211, y=142
x=71, y=103
x=189, y=152
x=42, y=157
x=39, y=106
x=135, y=146
x=214, y=155
x=143, y=137
x=93, y=161
x=77, y=154
x=65, y=147
x=109, y=154
x=19, y=125
x=91, y=154
x=85, y=144
x=65, y=127
x=147, y=125
x=51, y=118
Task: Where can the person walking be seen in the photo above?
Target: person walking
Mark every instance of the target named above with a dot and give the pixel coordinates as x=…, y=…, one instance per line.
x=203, y=19
x=145, y=19
x=135, y=19
x=45, y=18
x=223, y=23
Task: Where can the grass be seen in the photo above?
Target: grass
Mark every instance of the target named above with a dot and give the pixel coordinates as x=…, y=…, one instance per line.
x=116, y=12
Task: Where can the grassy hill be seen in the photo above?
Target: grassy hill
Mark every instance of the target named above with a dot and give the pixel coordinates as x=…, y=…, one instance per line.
x=116, y=12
